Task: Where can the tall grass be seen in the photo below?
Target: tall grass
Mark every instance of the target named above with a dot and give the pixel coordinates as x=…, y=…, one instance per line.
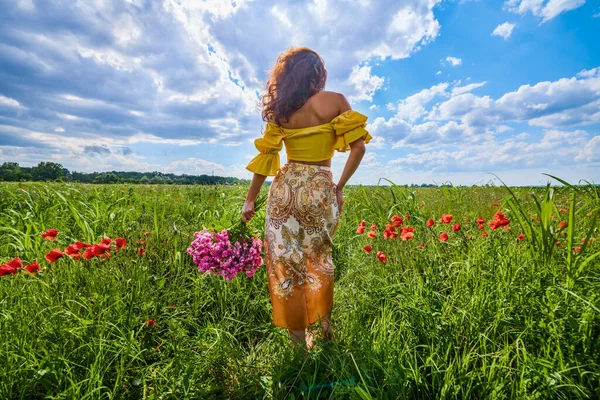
x=471, y=318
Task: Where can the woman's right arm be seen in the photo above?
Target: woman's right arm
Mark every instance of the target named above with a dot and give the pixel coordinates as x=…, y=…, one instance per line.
x=357, y=151
x=248, y=210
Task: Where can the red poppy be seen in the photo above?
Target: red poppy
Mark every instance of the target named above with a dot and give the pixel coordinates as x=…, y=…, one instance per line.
x=15, y=263
x=408, y=235
x=54, y=255
x=562, y=224
x=576, y=249
x=443, y=237
x=147, y=233
x=456, y=227
x=563, y=210
x=363, y=223
x=481, y=227
x=386, y=234
x=6, y=269
x=360, y=230
x=406, y=216
x=373, y=227
x=33, y=267
x=407, y=229
x=73, y=251
x=50, y=234
x=141, y=252
x=106, y=240
x=421, y=245
x=495, y=204
x=521, y=237
x=397, y=222
x=120, y=243
x=480, y=220
x=150, y=323
x=498, y=221
x=372, y=234
x=381, y=256
x=430, y=222
x=367, y=248
x=446, y=218
x=484, y=234
x=558, y=243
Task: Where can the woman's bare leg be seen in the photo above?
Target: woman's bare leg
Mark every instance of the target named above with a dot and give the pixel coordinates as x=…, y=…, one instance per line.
x=299, y=337
x=325, y=323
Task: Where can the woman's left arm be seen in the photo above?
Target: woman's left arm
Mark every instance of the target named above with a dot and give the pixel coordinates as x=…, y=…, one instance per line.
x=248, y=210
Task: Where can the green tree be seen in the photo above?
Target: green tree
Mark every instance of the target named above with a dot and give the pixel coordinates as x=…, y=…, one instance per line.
x=11, y=171
x=47, y=171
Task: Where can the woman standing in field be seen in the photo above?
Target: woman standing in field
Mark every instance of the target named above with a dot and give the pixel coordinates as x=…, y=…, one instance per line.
x=304, y=203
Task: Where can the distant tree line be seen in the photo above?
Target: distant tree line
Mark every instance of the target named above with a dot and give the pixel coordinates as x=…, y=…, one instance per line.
x=49, y=171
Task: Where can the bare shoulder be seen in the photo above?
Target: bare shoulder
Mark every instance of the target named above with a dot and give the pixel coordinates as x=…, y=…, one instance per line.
x=329, y=104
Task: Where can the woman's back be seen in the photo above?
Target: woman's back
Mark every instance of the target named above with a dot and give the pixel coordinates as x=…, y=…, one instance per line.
x=319, y=109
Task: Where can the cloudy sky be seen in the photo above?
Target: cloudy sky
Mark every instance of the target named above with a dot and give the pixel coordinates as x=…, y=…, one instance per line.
x=454, y=90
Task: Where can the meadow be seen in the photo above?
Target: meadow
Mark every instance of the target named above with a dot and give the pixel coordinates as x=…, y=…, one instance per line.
x=485, y=313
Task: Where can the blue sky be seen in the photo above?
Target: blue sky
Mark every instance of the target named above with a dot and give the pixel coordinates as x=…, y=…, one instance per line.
x=453, y=90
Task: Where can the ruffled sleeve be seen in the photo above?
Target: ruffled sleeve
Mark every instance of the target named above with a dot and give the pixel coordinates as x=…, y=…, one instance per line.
x=350, y=126
x=267, y=161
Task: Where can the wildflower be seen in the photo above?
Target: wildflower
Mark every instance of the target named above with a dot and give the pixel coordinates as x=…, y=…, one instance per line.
x=373, y=227
x=576, y=249
x=406, y=216
x=54, y=255
x=495, y=204
x=443, y=237
x=382, y=257
x=480, y=221
x=367, y=248
x=6, y=269
x=456, y=227
x=397, y=221
x=558, y=243
x=563, y=210
x=562, y=224
x=363, y=223
x=147, y=234
x=106, y=240
x=50, y=234
x=15, y=263
x=372, y=234
x=484, y=234
x=521, y=237
x=421, y=245
x=120, y=243
x=360, y=230
x=33, y=267
x=446, y=218
x=73, y=251
x=498, y=221
x=141, y=252
x=151, y=323
x=430, y=222
x=408, y=235
x=481, y=227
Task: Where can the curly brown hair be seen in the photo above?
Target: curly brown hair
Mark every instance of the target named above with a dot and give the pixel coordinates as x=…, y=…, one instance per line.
x=298, y=73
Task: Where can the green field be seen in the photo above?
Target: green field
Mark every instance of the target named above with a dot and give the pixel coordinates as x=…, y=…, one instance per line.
x=473, y=317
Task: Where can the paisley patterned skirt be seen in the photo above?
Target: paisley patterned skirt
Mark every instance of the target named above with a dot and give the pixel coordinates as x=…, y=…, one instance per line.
x=301, y=219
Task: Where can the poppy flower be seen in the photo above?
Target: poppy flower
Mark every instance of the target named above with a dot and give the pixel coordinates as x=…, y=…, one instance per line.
x=443, y=237
x=382, y=257
x=6, y=269
x=446, y=218
x=360, y=230
x=456, y=227
x=386, y=234
x=397, y=222
x=120, y=243
x=406, y=216
x=54, y=255
x=563, y=210
x=141, y=252
x=430, y=222
x=421, y=245
x=15, y=263
x=576, y=249
x=558, y=243
x=373, y=227
x=407, y=229
x=498, y=221
x=367, y=248
x=106, y=240
x=562, y=224
x=151, y=323
x=33, y=267
x=73, y=252
x=495, y=204
x=484, y=234
x=521, y=237
x=480, y=221
x=372, y=234
x=481, y=227
x=363, y=223
x=50, y=234
x=408, y=235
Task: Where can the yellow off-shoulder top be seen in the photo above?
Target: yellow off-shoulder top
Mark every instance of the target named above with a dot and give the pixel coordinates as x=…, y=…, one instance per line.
x=313, y=143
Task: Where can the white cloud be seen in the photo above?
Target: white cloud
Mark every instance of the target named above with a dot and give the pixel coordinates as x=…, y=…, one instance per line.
x=454, y=61
x=504, y=30
x=8, y=102
x=544, y=9
x=467, y=88
x=438, y=73
x=364, y=83
x=413, y=107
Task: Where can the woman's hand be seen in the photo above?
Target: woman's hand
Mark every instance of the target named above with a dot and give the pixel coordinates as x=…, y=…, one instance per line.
x=340, y=200
x=248, y=211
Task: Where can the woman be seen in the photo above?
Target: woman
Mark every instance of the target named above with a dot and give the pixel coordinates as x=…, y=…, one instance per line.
x=304, y=204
